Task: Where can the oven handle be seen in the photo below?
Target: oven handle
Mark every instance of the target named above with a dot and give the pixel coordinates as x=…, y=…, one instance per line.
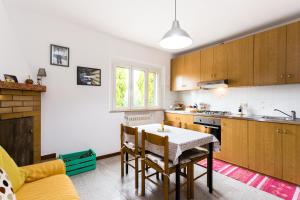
x=207, y=126
x=213, y=127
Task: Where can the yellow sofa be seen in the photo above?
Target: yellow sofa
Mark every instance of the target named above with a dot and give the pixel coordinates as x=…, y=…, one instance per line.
x=44, y=181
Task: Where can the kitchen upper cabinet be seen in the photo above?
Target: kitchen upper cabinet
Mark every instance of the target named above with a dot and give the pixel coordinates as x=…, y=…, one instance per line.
x=220, y=63
x=206, y=64
x=234, y=140
x=265, y=149
x=240, y=62
x=177, y=71
x=293, y=53
x=192, y=70
x=270, y=57
x=185, y=72
x=291, y=153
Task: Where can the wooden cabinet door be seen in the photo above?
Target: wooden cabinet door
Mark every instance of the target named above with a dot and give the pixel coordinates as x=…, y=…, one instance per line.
x=206, y=64
x=220, y=63
x=240, y=62
x=270, y=57
x=177, y=70
x=189, y=119
x=191, y=70
x=293, y=53
x=172, y=117
x=265, y=149
x=234, y=141
x=291, y=153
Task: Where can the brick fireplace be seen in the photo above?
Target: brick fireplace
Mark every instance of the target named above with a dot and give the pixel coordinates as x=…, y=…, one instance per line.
x=20, y=101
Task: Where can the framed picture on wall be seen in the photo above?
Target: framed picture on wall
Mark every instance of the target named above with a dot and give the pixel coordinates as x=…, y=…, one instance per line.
x=59, y=55
x=88, y=76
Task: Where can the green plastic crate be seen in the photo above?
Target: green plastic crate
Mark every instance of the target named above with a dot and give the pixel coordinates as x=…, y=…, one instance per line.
x=79, y=162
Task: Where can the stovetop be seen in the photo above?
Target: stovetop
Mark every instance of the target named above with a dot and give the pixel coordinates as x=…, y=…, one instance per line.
x=214, y=112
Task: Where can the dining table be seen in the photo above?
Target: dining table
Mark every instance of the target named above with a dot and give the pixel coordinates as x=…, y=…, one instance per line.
x=181, y=140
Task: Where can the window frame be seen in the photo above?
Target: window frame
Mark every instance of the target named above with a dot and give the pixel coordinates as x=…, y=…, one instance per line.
x=135, y=66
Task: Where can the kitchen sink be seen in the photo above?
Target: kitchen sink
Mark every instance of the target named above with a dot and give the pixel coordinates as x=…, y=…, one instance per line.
x=276, y=118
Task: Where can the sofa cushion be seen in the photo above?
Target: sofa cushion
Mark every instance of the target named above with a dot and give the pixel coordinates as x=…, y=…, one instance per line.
x=6, y=191
x=15, y=174
x=58, y=187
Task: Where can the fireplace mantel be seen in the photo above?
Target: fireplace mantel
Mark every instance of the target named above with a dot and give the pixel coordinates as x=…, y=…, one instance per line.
x=22, y=86
x=18, y=100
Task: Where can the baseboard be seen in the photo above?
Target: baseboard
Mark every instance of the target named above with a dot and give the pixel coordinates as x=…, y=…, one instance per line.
x=48, y=156
x=108, y=155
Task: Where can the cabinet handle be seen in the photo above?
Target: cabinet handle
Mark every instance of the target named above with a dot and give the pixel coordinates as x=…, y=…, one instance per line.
x=285, y=131
x=278, y=131
x=215, y=75
x=282, y=76
x=289, y=75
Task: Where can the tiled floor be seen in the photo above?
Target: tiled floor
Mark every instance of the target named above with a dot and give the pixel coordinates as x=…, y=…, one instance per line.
x=105, y=183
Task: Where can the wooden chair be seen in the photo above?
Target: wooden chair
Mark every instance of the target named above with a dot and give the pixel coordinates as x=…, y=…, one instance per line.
x=129, y=148
x=173, y=123
x=196, y=127
x=159, y=164
x=200, y=153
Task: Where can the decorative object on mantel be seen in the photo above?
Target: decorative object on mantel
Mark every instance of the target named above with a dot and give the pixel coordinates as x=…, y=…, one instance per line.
x=29, y=81
x=88, y=76
x=22, y=86
x=59, y=55
x=41, y=73
x=10, y=78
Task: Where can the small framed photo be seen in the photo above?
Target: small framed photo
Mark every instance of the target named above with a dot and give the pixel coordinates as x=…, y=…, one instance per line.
x=10, y=78
x=59, y=55
x=88, y=76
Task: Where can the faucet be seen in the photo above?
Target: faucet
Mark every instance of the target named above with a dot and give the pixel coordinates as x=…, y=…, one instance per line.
x=292, y=116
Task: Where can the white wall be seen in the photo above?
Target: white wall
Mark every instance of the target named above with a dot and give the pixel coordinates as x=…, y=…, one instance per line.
x=11, y=59
x=261, y=100
x=77, y=117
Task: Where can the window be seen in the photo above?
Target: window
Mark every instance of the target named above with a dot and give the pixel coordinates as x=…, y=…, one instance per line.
x=135, y=88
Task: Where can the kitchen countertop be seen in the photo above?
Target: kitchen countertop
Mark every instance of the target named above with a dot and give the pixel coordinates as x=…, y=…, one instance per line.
x=237, y=116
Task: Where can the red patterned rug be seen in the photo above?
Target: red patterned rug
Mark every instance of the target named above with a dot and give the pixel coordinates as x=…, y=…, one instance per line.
x=268, y=184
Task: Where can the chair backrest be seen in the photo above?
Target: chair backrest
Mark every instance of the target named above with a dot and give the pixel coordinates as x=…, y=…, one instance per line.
x=159, y=141
x=196, y=127
x=173, y=123
x=127, y=130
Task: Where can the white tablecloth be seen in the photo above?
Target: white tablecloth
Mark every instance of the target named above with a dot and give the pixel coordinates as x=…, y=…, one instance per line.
x=180, y=140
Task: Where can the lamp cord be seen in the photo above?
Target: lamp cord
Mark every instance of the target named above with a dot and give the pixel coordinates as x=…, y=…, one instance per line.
x=175, y=11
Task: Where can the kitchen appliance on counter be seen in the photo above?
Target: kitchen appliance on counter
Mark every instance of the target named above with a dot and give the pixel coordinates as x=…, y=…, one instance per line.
x=211, y=125
x=177, y=106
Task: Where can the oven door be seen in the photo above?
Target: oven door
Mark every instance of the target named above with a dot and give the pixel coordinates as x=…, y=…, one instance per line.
x=210, y=129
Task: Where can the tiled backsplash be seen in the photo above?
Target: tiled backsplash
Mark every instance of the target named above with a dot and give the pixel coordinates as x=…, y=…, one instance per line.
x=261, y=100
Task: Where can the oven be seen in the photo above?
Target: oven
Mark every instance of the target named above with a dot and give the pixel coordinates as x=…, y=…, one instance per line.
x=209, y=125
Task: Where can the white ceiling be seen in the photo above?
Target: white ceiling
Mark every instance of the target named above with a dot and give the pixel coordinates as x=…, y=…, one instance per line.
x=145, y=21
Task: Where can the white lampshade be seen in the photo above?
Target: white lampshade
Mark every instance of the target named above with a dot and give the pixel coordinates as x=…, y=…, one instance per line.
x=176, y=38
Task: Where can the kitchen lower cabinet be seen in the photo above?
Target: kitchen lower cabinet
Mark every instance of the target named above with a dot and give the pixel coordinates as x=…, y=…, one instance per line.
x=234, y=140
x=274, y=150
x=188, y=119
x=265, y=151
x=291, y=153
